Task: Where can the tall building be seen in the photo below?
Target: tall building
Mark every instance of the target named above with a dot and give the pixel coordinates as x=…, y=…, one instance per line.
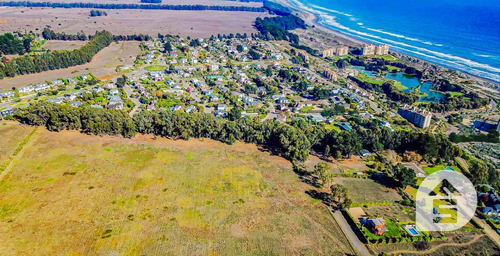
x=303, y=55
x=342, y=51
x=368, y=49
x=330, y=75
x=382, y=49
x=328, y=52
x=418, y=117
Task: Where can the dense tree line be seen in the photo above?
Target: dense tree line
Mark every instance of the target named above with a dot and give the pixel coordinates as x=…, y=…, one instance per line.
x=9, y=44
x=97, y=13
x=85, y=119
x=492, y=137
x=276, y=28
x=134, y=6
x=56, y=59
x=50, y=34
x=293, y=142
x=467, y=101
x=275, y=8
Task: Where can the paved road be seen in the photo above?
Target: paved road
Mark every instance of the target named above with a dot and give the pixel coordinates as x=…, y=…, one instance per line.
x=272, y=112
x=129, y=92
x=353, y=239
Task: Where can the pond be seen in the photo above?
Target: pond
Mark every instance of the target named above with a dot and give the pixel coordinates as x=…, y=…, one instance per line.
x=412, y=84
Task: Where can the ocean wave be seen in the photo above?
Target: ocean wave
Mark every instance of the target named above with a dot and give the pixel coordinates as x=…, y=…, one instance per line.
x=330, y=10
x=403, y=37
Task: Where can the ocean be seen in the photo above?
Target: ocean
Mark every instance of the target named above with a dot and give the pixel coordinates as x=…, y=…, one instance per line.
x=458, y=34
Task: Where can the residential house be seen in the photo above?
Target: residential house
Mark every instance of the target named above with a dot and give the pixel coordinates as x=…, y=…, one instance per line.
x=76, y=104
x=190, y=109
x=6, y=112
x=42, y=87
x=7, y=94
x=25, y=89
x=55, y=100
x=318, y=118
x=222, y=107
x=377, y=226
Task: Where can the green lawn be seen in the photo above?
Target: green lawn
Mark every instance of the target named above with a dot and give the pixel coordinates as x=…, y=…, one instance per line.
x=455, y=93
x=393, y=68
x=393, y=231
x=306, y=109
x=155, y=68
x=430, y=170
x=400, y=86
x=372, y=80
x=330, y=127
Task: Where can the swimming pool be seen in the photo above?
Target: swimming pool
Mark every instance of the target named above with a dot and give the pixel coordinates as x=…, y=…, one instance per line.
x=449, y=169
x=413, y=231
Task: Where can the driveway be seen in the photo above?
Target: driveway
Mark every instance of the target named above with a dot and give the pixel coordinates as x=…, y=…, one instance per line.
x=359, y=246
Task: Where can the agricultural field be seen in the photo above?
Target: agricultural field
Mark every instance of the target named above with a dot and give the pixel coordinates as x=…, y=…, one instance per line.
x=129, y=22
x=90, y=195
x=103, y=65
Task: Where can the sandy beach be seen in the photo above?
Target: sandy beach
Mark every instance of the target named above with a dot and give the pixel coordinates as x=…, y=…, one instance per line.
x=312, y=20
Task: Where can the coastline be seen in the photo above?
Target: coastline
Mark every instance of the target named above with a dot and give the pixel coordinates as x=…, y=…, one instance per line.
x=312, y=20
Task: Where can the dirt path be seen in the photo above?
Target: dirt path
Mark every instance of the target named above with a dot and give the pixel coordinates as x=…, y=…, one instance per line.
x=436, y=247
x=5, y=168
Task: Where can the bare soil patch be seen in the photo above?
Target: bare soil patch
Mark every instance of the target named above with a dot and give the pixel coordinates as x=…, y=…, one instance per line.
x=56, y=45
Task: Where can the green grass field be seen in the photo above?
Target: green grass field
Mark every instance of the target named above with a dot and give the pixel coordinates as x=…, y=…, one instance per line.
x=73, y=194
x=155, y=68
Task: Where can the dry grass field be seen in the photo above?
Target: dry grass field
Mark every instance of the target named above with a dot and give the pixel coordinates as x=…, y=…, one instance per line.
x=127, y=22
x=368, y=190
x=11, y=134
x=73, y=194
x=104, y=63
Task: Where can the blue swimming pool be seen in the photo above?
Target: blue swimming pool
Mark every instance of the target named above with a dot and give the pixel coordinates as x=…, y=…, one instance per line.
x=413, y=231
